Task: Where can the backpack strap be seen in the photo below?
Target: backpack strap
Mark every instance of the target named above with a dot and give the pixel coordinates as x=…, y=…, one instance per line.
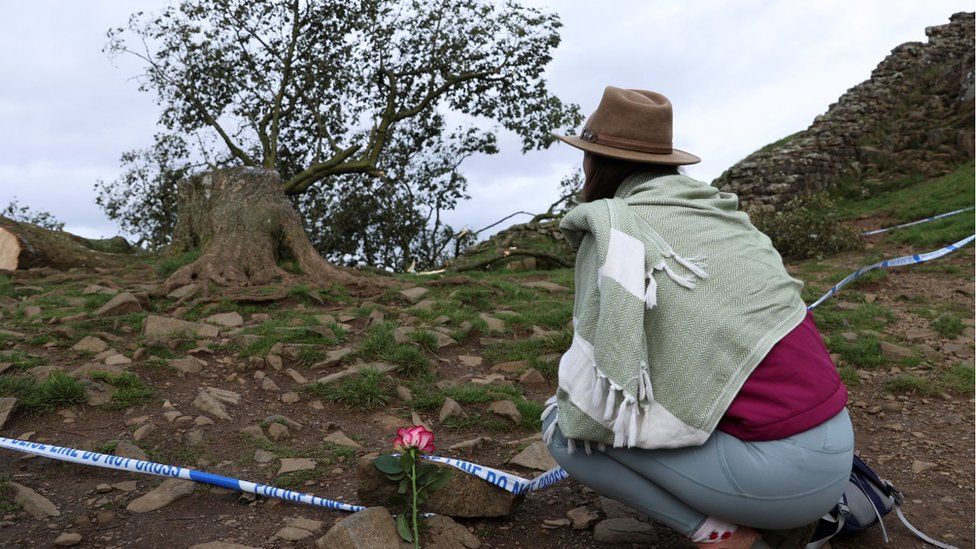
x=898, y=498
x=841, y=511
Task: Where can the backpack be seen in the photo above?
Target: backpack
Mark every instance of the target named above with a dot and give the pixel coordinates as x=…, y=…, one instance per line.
x=866, y=500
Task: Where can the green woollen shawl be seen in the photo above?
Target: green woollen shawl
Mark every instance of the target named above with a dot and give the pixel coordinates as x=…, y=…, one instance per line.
x=664, y=341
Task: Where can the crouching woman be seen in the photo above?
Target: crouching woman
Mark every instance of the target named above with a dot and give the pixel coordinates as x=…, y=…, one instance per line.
x=697, y=388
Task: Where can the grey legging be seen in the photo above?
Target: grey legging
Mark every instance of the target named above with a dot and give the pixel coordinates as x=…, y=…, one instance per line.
x=773, y=485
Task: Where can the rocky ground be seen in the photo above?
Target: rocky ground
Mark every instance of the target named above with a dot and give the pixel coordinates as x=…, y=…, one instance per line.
x=294, y=391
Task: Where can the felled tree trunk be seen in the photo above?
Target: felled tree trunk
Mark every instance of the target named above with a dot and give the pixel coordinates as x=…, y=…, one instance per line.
x=26, y=246
x=246, y=229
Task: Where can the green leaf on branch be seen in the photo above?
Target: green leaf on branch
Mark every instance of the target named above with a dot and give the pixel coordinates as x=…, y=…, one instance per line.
x=403, y=528
x=441, y=480
x=388, y=464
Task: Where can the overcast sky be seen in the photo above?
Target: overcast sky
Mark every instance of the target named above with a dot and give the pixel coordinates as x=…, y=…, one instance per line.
x=739, y=74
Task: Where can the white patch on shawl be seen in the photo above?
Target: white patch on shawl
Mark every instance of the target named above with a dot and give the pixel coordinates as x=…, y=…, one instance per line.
x=625, y=263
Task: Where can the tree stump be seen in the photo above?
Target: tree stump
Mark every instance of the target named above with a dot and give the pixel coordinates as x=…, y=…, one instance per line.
x=246, y=230
x=27, y=246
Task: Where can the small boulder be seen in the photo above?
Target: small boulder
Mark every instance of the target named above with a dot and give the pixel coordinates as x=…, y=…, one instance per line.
x=443, y=533
x=414, y=294
x=291, y=533
x=164, y=327
x=494, y=324
x=232, y=319
x=532, y=377
x=893, y=351
x=290, y=465
x=7, y=405
x=277, y=431
x=143, y=432
x=37, y=505
x=470, y=361
x=122, y=304
x=624, y=530
x=183, y=291
x=333, y=358
x=129, y=450
x=188, y=365
x=164, y=494
x=371, y=528
x=506, y=409
x=582, y=517
x=68, y=539
x=90, y=344
x=450, y=408
x=536, y=456
x=340, y=439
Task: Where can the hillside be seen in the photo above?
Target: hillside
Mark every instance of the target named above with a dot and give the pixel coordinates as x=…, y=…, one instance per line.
x=112, y=379
x=913, y=116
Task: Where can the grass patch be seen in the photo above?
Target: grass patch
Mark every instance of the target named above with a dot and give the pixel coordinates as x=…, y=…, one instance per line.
x=378, y=342
x=848, y=374
x=913, y=198
x=958, y=379
x=487, y=422
x=409, y=360
x=425, y=340
x=7, y=493
x=129, y=390
x=949, y=327
x=527, y=348
x=169, y=265
x=865, y=316
x=863, y=352
x=367, y=390
x=279, y=330
x=58, y=390
x=20, y=360
x=910, y=383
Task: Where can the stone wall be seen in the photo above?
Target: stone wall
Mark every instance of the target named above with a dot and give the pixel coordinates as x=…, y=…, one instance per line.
x=913, y=116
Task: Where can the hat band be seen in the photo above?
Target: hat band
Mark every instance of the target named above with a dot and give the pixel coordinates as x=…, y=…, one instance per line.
x=624, y=143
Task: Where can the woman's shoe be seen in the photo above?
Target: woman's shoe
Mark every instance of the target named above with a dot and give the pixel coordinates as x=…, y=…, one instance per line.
x=743, y=538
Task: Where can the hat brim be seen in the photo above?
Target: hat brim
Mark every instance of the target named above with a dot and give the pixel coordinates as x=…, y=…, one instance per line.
x=675, y=158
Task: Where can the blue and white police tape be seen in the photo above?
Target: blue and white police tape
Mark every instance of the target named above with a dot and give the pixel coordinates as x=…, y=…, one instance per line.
x=506, y=481
x=501, y=479
x=149, y=468
x=896, y=262
x=918, y=222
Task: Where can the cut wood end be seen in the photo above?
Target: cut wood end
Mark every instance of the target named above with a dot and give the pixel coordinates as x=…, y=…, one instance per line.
x=9, y=250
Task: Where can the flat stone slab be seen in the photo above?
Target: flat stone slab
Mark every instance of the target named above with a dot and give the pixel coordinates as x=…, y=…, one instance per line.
x=290, y=465
x=121, y=304
x=536, y=456
x=37, y=505
x=164, y=494
x=164, y=326
x=7, y=405
x=368, y=529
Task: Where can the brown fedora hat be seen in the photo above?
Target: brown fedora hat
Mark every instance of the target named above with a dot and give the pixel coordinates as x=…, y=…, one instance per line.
x=631, y=125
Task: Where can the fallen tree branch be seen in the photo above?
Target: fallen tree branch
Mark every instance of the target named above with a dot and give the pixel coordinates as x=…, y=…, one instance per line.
x=516, y=253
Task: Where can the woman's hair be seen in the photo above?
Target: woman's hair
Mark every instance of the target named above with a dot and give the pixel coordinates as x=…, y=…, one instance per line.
x=606, y=175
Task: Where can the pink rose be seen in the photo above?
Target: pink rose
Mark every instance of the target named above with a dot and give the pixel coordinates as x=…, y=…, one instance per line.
x=418, y=437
